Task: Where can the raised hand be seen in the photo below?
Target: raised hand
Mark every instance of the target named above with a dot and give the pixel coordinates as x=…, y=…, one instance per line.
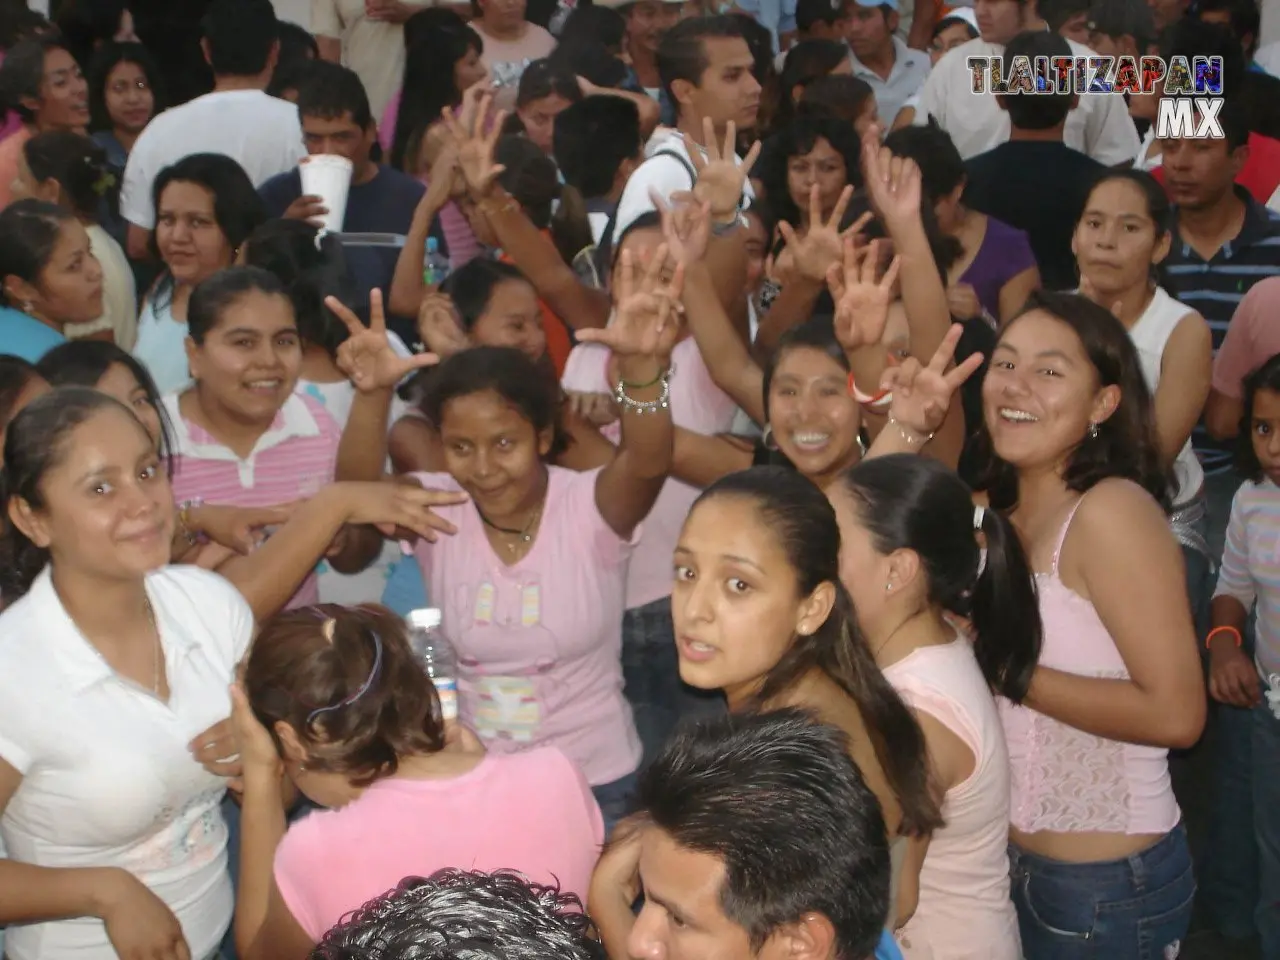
x=862, y=300
x=922, y=394
x=473, y=142
x=366, y=356
x=647, y=320
x=720, y=177
x=686, y=227
x=893, y=183
x=821, y=246
x=445, y=180
x=438, y=326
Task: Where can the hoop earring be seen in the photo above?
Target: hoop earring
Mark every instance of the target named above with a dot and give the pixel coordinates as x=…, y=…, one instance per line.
x=766, y=438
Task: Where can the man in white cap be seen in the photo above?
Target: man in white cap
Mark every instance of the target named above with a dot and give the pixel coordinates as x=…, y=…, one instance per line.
x=957, y=27
x=894, y=71
x=1099, y=127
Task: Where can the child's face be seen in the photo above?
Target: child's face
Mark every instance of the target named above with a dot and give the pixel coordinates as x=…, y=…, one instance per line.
x=1264, y=430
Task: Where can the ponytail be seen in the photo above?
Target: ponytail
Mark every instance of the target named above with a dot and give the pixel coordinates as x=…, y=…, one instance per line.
x=907, y=502
x=1004, y=609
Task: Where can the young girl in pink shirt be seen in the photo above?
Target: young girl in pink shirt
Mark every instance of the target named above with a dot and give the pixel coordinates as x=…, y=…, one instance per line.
x=532, y=585
x=336, y=700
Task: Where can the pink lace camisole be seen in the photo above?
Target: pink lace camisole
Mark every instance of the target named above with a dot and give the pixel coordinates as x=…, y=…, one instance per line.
x=1063, y=779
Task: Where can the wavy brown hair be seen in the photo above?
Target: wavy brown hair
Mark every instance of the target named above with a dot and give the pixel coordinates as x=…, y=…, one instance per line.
x=294, y=670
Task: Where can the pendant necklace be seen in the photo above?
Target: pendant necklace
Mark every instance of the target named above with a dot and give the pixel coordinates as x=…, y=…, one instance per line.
x=523, y=536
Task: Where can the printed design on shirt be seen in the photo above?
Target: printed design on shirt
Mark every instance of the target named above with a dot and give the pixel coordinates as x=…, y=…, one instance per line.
x=189, y=836
x=508, y=73
x=507, y=707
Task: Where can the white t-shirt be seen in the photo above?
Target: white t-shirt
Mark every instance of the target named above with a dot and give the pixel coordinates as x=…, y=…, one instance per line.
x=1100, y=126
x=261, y=133
x=663, y=173
x=108, y=780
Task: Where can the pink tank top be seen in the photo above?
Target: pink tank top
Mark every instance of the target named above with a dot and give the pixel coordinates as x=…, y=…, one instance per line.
x=1063, y=779
x=964, y=910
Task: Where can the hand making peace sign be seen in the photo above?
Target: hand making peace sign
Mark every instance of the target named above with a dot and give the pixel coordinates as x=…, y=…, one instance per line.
x=922, y=394
x=366, y=356
x=473, y=143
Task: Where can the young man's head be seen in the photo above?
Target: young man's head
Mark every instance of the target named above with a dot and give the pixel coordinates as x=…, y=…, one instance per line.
x=1120, y=28
x=241, y=38
x=1167, y=12
x=871, y=28
x=999, y=21
x=546, y=90
x=705, y=66
x=954, y=30
x=759, y=839
x=1046, y=111
x=648, y=22
x=823, y=19
x=456, y=915
x=598, y=145
x=1200, y=174
x=335, y=114
x=1240, y=16
x=1067, y=17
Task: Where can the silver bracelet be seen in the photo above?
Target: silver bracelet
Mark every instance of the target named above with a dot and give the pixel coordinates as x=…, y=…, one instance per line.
x=631, y=405
x=909, y=435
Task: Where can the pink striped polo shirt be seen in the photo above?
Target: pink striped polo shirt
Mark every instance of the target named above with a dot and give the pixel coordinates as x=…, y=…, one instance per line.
x=292, y=460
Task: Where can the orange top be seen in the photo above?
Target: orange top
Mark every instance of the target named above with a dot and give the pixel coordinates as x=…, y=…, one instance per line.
x=559, y=343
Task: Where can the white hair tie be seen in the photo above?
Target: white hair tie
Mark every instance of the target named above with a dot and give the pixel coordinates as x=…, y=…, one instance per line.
x=979, y=514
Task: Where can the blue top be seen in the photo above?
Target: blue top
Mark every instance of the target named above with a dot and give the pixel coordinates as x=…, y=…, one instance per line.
x=383, y=205
x=26, y=337
x=888, y=948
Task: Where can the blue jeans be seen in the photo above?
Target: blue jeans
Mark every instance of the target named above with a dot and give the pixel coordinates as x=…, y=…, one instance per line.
x=615, y=800
x=1266, y=824
x=651, y=677
x=1129, y=909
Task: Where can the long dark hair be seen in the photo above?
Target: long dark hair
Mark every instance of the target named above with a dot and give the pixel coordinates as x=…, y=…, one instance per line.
x=35, y=443
x=915, y=503
x=530, y=176
x=79, y=166
x=804, y=522
x=107, y=58
x=1126, y=445
x=82, y=363
x=1266, y=377
x=429, y=86
x=797, y=139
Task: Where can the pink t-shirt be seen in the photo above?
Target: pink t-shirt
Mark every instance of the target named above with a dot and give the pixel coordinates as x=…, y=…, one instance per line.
x=294, y=459
x=697, y=404
x=506, y=60
x=530, y=812
x=1253, y=338
x=539, y=641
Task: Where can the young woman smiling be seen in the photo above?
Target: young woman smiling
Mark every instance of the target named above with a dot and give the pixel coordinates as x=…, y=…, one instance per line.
x=1100, y=859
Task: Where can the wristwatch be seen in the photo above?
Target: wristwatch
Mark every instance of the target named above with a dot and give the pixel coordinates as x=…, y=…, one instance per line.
x=729, y=226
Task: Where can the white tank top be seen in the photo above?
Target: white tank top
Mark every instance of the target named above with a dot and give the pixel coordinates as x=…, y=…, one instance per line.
x=1151, y=335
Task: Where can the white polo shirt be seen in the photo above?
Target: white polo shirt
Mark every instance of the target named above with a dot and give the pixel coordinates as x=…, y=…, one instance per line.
x=261, y=133
x=663, y=173
x=910, y=68
x=1100, y=126
x=108, y=780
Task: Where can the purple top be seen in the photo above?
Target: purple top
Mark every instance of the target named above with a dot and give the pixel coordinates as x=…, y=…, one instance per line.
x=1005, y=253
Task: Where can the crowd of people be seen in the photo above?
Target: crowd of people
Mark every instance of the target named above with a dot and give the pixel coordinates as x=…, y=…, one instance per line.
x=852, y=500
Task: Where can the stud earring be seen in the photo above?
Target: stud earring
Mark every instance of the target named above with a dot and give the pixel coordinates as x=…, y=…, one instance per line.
x=888, y=587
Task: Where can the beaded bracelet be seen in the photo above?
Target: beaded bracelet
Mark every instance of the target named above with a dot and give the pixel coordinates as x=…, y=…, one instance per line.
x=908, y=434
x=627, y=404
x=184, y=521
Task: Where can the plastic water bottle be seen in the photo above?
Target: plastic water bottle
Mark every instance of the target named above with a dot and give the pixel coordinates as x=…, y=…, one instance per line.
x=436, y=265
x=437, y=657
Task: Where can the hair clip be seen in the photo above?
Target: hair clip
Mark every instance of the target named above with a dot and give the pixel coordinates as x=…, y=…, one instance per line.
x=365, y=687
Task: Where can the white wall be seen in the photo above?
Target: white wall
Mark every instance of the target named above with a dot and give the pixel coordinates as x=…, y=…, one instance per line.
x=1270, y=20
x=296, y=11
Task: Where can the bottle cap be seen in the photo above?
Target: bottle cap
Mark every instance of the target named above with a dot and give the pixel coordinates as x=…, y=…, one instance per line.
x=426, y=619
x=433, y=245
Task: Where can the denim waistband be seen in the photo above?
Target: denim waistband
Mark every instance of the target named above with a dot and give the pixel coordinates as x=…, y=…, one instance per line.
x=1137, y=868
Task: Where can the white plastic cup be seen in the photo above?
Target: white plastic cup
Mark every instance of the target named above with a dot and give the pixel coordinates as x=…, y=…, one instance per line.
x=327, y=176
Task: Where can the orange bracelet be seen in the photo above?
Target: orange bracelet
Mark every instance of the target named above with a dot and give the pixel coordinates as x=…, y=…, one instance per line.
x=866, y=399
x=1224, y=629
